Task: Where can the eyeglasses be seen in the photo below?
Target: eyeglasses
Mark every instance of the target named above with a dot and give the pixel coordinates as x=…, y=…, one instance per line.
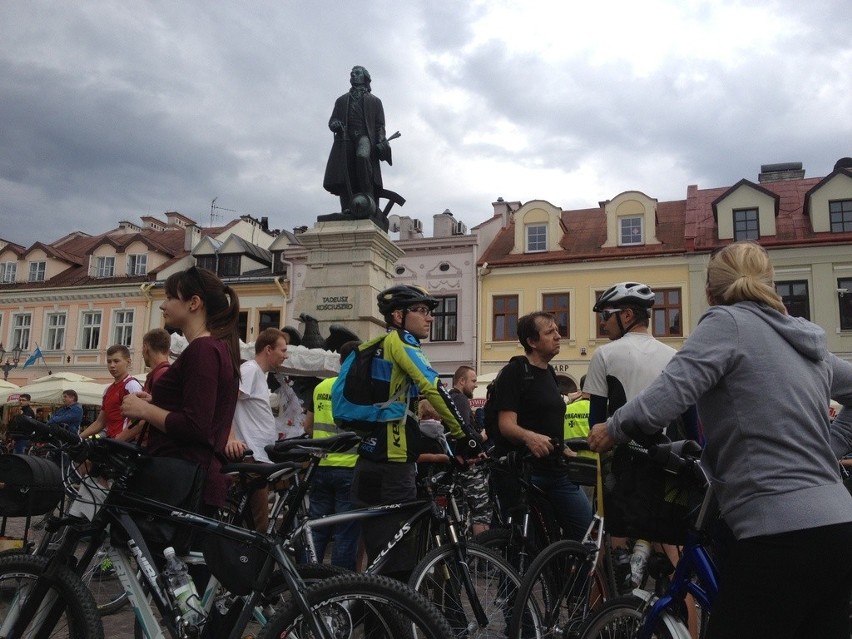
x=423, y=310
x=605, y=315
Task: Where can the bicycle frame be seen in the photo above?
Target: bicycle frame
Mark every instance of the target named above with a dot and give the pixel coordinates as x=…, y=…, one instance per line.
x=695, y=572
x=306, y=527
x=425, y=510
x=112, y=515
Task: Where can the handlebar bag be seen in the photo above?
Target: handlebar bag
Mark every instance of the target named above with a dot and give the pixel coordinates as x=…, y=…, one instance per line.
x=643, y=500
x=29, y=485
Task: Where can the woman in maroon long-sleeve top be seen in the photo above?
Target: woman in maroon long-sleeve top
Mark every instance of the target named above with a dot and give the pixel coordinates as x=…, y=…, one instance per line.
x=191, y=406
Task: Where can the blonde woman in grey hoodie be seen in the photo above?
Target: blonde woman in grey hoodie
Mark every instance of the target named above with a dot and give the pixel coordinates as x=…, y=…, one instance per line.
x=762, y=381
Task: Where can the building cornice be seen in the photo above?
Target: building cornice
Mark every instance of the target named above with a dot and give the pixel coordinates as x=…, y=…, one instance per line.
x=70, y=295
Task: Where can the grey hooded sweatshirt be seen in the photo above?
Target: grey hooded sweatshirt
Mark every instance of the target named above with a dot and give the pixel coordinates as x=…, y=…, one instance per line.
x=761, y=381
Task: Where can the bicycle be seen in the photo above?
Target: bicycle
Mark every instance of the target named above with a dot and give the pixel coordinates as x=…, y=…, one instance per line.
x=568, y=579
x=662, y=614
x=472, y=586
x=530, y=525
x=40, y=591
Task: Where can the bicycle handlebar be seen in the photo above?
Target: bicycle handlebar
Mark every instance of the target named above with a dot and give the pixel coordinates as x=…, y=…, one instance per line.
x=41, y=431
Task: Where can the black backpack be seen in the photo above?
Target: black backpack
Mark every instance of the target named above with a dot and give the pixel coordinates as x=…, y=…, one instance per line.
x=489, y=409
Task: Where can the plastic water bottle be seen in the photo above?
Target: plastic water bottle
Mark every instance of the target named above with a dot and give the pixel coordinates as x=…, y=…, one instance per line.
x=621, y=568
x=182, y=586
x=639, y=560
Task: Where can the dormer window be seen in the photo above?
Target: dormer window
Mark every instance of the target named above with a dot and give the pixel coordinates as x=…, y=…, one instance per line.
x=206, y=261
x=537, y=228
x=630, y=231
x=229, y=265
x=8, y=272
x=536, y=238
x=746, y=225
x=105, y=266
x=37, y=271
x=840, y=216
x=137, y=264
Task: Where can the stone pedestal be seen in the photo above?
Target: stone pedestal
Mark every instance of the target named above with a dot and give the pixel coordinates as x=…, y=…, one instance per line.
x=349, y=262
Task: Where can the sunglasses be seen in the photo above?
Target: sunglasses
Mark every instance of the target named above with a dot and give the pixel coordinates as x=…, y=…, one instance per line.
x=422, y=310
x=605, y=315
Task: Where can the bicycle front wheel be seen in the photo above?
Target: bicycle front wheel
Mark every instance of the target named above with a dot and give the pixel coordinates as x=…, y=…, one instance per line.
x=622, y=617
x=563, y=585
x=65, y=610
x=480, y=607
x=360, y=605
x=101, y=580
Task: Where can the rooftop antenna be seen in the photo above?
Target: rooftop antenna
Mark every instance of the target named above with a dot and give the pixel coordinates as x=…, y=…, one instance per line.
x=214, y=208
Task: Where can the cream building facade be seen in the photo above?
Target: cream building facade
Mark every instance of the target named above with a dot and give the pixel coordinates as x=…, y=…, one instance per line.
x=543, y=257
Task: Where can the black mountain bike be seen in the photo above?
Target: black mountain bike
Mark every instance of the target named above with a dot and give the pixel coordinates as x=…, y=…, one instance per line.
x=44, y=597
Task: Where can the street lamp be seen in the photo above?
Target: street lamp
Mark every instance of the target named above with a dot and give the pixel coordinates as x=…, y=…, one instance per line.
x=10, y=364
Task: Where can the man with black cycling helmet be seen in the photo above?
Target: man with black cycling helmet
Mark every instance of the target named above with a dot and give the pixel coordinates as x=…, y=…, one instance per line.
x=385, y=471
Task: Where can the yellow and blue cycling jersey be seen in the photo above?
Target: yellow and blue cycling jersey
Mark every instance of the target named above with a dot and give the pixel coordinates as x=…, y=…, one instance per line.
x=411, y=377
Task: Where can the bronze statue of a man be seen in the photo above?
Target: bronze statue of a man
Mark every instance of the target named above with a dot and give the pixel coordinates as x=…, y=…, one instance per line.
x=353, y=172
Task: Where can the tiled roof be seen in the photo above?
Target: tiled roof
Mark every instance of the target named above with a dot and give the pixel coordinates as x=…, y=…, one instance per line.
x=682, y=226
x=792, y=226
x=76, y=247
x=584, y=233
x=258, y=253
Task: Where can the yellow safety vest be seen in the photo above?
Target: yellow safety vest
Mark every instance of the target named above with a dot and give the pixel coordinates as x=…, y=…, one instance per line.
x=577, y=423
x=324, y=425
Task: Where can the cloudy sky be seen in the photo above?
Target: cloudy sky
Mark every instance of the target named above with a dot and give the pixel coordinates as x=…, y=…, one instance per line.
x=114, y=110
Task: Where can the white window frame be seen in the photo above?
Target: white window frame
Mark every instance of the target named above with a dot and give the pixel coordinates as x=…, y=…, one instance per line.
x=8, y=272
x=88, y=328
x=122, y=326
x=134, y=261
x=631, y=219
x=533, y=235
x=54, y=331
x=21, y=326
x=104, y=266
x=37, y=271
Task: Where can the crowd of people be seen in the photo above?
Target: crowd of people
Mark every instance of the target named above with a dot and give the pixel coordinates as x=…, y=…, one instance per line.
x=751, y=384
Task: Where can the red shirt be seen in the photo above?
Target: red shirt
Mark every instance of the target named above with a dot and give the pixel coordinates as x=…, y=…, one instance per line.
x=111, y=405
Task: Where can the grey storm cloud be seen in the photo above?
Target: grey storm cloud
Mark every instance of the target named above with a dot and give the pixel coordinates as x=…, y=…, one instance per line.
x=114, y=110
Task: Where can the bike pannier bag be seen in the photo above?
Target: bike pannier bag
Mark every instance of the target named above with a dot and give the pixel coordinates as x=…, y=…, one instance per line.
x=29, y=485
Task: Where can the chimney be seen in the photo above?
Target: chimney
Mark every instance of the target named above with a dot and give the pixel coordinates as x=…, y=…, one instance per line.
x=505, y=209
x=264, y=223
x=410, y=229
x=443, y=224
x=781, y=171
x=191, y=235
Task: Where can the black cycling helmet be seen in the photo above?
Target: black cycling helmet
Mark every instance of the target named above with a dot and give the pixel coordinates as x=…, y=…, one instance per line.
x=625, y=294
x=403, y=296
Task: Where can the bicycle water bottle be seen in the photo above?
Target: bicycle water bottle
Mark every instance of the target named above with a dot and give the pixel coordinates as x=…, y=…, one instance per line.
x=639, y=560
x=182, y=586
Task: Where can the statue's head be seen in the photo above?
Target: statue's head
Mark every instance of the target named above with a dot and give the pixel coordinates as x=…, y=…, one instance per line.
x=359, y=76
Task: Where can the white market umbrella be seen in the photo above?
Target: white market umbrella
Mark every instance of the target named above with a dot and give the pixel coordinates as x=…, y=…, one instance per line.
x=7, y=389
x=48, y=389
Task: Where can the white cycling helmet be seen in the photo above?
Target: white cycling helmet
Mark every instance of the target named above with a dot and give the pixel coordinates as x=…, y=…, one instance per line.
x=626, y=294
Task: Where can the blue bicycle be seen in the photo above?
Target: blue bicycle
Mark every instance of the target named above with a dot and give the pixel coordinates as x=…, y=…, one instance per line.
x=662, y=614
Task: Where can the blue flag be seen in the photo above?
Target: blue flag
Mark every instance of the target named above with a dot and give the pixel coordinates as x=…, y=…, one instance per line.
x=32, y=359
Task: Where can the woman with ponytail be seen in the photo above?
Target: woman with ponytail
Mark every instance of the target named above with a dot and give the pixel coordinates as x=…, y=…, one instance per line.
x=191, y=406
x=762, y=381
